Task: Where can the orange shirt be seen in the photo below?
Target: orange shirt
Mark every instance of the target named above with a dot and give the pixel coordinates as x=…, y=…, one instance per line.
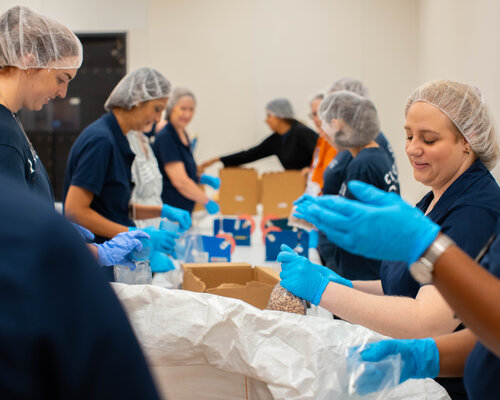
x=326, y=153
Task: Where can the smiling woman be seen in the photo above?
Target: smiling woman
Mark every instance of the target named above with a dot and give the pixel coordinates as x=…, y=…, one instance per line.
x=34, y=69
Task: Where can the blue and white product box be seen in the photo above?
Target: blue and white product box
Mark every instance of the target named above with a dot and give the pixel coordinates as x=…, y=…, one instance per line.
x=239, y=228
x=297, y=240
x=218, y=249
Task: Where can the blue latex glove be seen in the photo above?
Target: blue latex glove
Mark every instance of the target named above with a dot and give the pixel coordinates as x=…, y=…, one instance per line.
x=160, y=262
x=84, y=232
x=162, y=240
x=381, y=225
x=210, y=181
x=332, y=276
x=420, y=359
x=212, y=207
x=179, y=215
x=117, y=250
x=305, y=198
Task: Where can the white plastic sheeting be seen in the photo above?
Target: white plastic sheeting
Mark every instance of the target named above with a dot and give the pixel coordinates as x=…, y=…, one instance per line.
x=297, y=357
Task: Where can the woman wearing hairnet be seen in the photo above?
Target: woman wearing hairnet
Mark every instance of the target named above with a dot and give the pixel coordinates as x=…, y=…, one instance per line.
x=173, y=150
x=292, y=142
x=38, y=59
x=350, y=122
x=451, y=144
x=98, y=181
x=64, y=334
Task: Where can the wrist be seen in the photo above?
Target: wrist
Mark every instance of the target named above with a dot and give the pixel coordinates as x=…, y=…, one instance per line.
x=430, y=367
x=316, y=300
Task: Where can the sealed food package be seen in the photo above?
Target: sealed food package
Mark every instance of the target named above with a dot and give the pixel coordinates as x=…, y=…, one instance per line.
x=282, y=300
x=221, y=348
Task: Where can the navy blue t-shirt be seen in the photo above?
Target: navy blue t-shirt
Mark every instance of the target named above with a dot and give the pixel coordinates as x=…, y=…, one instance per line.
x=19, y=160
x=482, y=369
x=334, y=174
x=100, y=161
x=374, y=166
x=169, y=148
x=64, y=333
x=467, y=212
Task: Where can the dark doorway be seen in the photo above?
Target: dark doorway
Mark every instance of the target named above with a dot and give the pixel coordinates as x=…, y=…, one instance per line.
x=54, y=129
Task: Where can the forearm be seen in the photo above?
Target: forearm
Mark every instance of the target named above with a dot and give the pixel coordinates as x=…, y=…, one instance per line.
x=189, y=189
x=372, y=287
x=145, y=212
x=398, y=317
x=454, y=349
x=93, y=249
x=472, y=292
x=95, y=222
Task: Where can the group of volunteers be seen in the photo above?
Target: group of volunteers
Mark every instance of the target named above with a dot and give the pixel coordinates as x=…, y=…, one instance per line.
x=405, y=272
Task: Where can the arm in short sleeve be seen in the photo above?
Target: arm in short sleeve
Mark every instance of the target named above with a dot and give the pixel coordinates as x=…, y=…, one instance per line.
x=11, y=163
x=264, y=149
x=92, y=166
x=470, y=227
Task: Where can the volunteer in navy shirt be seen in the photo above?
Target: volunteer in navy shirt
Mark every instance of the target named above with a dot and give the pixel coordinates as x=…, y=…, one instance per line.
x=173, y=149
x=98, y=180
x=64, y=333
x=292, y=142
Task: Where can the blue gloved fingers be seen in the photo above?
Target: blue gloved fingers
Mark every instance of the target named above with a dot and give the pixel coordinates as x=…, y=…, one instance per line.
x=179, y=215
x=304, y=198
x=286, y=257
x=84, y=232
x=370, y=194
x=369, y=381
x=332, y=276
x=212, y=207
x=212, y=181
x=340, y=205
x=379, y=350
x=138, y=234
x=285, y=247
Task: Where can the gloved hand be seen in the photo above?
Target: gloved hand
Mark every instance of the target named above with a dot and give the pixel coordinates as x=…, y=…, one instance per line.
x=332, y=276
x=84, y=232
x=381, y=225
x=160, y=262
x=162, y=240
x=116, y=250
x=212, y=207
x=305, y=198
x=301, y=277
x=179, y=215
x=210, y=181
x=419, y=360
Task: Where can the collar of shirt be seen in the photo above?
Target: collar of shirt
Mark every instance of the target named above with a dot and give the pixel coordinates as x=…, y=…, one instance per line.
x=456, y=190
x=120, y=138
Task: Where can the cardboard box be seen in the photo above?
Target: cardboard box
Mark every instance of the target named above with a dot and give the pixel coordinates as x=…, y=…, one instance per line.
x=239, y=191
x=279, y=190
x=238, y=228
x=236, y=280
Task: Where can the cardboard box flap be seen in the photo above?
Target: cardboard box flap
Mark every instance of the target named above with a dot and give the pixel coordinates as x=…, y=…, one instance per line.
x=267, y=275
x=279, y=190
x=239, y=191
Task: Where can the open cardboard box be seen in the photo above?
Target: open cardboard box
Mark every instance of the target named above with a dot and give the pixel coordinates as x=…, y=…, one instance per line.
x=237, y=280
x=239, y=191
x=279, y=190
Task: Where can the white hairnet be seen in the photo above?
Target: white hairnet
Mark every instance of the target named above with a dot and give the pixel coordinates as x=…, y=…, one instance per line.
x=138, y=86
x=358, y=121
x=280, y=108
x=465, y=106
x=177, y=94
x=350, y=84
x=31, y=40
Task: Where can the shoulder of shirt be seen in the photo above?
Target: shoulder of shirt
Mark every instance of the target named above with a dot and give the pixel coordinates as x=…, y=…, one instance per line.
x=299, y=127
x=8, y=136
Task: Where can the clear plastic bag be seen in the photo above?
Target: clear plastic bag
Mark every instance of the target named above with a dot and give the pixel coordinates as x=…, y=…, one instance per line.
x=298, y=222
x=141, y=275
x=282, y=300
x=375, y=378
x=189, y=248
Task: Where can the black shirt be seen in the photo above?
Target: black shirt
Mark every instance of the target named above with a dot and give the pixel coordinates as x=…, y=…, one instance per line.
x=294, y=149
x=64, y=334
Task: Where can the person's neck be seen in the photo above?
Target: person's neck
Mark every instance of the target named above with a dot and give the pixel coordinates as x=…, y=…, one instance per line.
x=438, y=191
x=283, y=127
x=180, y=132
x=11, y=92
x=356, y=150
x=123, y=119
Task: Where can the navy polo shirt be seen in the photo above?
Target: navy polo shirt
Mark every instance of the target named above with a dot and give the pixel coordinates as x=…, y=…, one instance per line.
x=19, y=160
x=374, y=166
x=467, y=212
x=100, y=161
x=169, y=148
x=64, y=333
x=482, y=368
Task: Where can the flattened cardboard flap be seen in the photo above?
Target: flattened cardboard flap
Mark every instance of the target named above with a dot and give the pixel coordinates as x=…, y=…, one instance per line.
x=239, y=190
x=279, y=190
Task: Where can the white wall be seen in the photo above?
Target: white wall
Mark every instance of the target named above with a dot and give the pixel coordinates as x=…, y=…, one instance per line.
x=236, y=55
